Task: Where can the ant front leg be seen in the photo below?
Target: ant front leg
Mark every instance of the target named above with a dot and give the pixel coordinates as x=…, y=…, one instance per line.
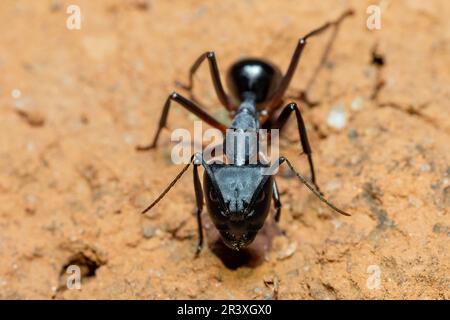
x=198, y=196
x=276, y=201
x=199, y=200
x=190, y=106
x=215, y=76
x=284, y=84
x=282, y=120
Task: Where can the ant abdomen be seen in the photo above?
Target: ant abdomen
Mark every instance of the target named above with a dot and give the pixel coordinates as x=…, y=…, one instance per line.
x=253, y=76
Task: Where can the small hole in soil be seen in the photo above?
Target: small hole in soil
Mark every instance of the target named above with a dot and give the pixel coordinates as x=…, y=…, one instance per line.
x=87, y=265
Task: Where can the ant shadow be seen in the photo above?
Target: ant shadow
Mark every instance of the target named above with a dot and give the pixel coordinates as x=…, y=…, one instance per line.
x=253, y=255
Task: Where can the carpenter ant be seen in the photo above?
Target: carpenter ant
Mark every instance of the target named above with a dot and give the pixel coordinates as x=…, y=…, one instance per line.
x=238, y=195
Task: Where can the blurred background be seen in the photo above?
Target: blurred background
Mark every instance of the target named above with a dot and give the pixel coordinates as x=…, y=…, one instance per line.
x=74, y=103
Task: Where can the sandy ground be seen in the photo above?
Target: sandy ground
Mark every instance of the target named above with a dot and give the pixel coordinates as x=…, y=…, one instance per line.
x=75, y=103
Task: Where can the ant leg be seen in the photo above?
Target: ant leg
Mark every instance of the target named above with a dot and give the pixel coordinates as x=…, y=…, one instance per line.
x=215, y=76
x=279, y=93
x=198, y=197
x=276, y=200
x=282, y=120
x=199, y=200
x=190, y=106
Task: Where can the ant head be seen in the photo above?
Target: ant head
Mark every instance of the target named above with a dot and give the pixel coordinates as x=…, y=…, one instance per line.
x=253, y=76
x=238, y=200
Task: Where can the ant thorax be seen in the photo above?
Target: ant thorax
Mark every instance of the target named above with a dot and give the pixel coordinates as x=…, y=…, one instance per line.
x=241, y=140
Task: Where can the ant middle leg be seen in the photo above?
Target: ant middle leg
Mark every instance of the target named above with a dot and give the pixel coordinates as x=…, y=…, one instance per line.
x=190, y=106
x=199, y=201
x=215, y=76
x=282, y=120
x=277, y=96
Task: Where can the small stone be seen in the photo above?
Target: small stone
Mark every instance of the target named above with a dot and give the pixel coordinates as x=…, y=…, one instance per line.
x=25, y=107
x=357, y=104
x=30, y=203
x=446, y=196
x=416, y=202
x=200, y=11
x=437, y=228
x=337, y=118
x=425, y=167
x=55, y=6
x=149, y=232
x=128, y=139
x=30, y=147
x=288, y=252
x=336, y=223
x=34, y=118
x=352, y=134
x=15, y=93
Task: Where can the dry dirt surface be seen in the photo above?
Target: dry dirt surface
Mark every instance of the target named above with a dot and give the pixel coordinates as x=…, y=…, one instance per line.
x=75, y=103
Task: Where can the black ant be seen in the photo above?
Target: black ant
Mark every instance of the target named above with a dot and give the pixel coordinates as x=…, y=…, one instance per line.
x=238, y=195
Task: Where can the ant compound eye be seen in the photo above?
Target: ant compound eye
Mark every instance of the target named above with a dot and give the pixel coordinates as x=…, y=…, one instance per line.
x=261, y=197
x=213, y=196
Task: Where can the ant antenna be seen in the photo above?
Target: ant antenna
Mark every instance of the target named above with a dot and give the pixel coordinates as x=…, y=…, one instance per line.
x=174, y=181
x=312, y=188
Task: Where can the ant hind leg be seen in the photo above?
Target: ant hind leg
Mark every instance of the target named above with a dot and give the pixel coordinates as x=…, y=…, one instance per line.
x=215, y=76
x=280, y=91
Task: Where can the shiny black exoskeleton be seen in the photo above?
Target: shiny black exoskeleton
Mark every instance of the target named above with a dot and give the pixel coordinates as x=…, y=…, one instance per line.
x=238, y=192
x=253, y=75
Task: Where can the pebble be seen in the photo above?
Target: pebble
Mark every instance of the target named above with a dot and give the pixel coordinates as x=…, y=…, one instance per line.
x=425, y=167
x=149, y=232
x=337, y=118
x=336, y=223
x=352, y=134
x=34, y=118
x=30, y=203
x=288, y=252
x=357, y=104
x=128, y=139
x=15, y=93
x=55, y=6
x=438, y=228
x=416, y=202
x=446, y=195
x=25, y=107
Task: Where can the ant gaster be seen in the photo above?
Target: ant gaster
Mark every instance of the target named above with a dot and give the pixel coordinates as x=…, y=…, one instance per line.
x=238, y=195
